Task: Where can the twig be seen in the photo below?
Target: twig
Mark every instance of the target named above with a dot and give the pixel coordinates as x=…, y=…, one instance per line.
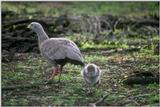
x=115, y=24
x=99, y=101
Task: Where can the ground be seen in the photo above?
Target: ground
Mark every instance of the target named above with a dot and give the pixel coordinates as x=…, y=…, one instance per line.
x=34, y=69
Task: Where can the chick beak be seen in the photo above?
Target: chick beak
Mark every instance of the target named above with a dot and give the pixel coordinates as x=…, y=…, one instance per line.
x=29, y=26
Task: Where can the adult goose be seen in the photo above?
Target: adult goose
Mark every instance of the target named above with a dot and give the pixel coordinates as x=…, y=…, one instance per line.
x=58, y=51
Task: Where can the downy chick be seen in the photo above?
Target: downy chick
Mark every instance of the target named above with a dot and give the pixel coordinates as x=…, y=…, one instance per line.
x=91, y=74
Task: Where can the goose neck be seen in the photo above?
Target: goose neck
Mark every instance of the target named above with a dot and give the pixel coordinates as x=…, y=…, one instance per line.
x=42, y=36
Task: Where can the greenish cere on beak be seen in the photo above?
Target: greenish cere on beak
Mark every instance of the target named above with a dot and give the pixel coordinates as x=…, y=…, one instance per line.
x=29, y=26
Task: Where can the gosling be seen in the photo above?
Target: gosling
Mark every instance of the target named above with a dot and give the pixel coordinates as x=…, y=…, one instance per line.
x=91, y=74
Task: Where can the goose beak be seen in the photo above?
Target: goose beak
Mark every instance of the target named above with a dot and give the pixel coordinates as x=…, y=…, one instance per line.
x=29, y=26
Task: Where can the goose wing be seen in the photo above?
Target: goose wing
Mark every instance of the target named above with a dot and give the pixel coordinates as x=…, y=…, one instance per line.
x=60, y=48
x=73, y=51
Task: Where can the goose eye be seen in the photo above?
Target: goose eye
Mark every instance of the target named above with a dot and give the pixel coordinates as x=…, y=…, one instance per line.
x=33, y=26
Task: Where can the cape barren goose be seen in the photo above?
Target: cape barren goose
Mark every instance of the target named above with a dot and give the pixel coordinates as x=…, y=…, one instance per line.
x=58, y=51
x=91, y=74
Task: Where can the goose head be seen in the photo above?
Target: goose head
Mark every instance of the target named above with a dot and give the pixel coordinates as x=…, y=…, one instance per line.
x=35, y=26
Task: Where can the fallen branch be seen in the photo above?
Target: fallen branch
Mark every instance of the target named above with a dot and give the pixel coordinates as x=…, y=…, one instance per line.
x=36, y=85
x=140, y=80
x=111, y=50
x=21, y=21
x=139, y=95
x=145, y=22
x=20, y=87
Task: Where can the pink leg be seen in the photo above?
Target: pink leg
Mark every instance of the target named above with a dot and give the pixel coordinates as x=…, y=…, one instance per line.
x=54, y=72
